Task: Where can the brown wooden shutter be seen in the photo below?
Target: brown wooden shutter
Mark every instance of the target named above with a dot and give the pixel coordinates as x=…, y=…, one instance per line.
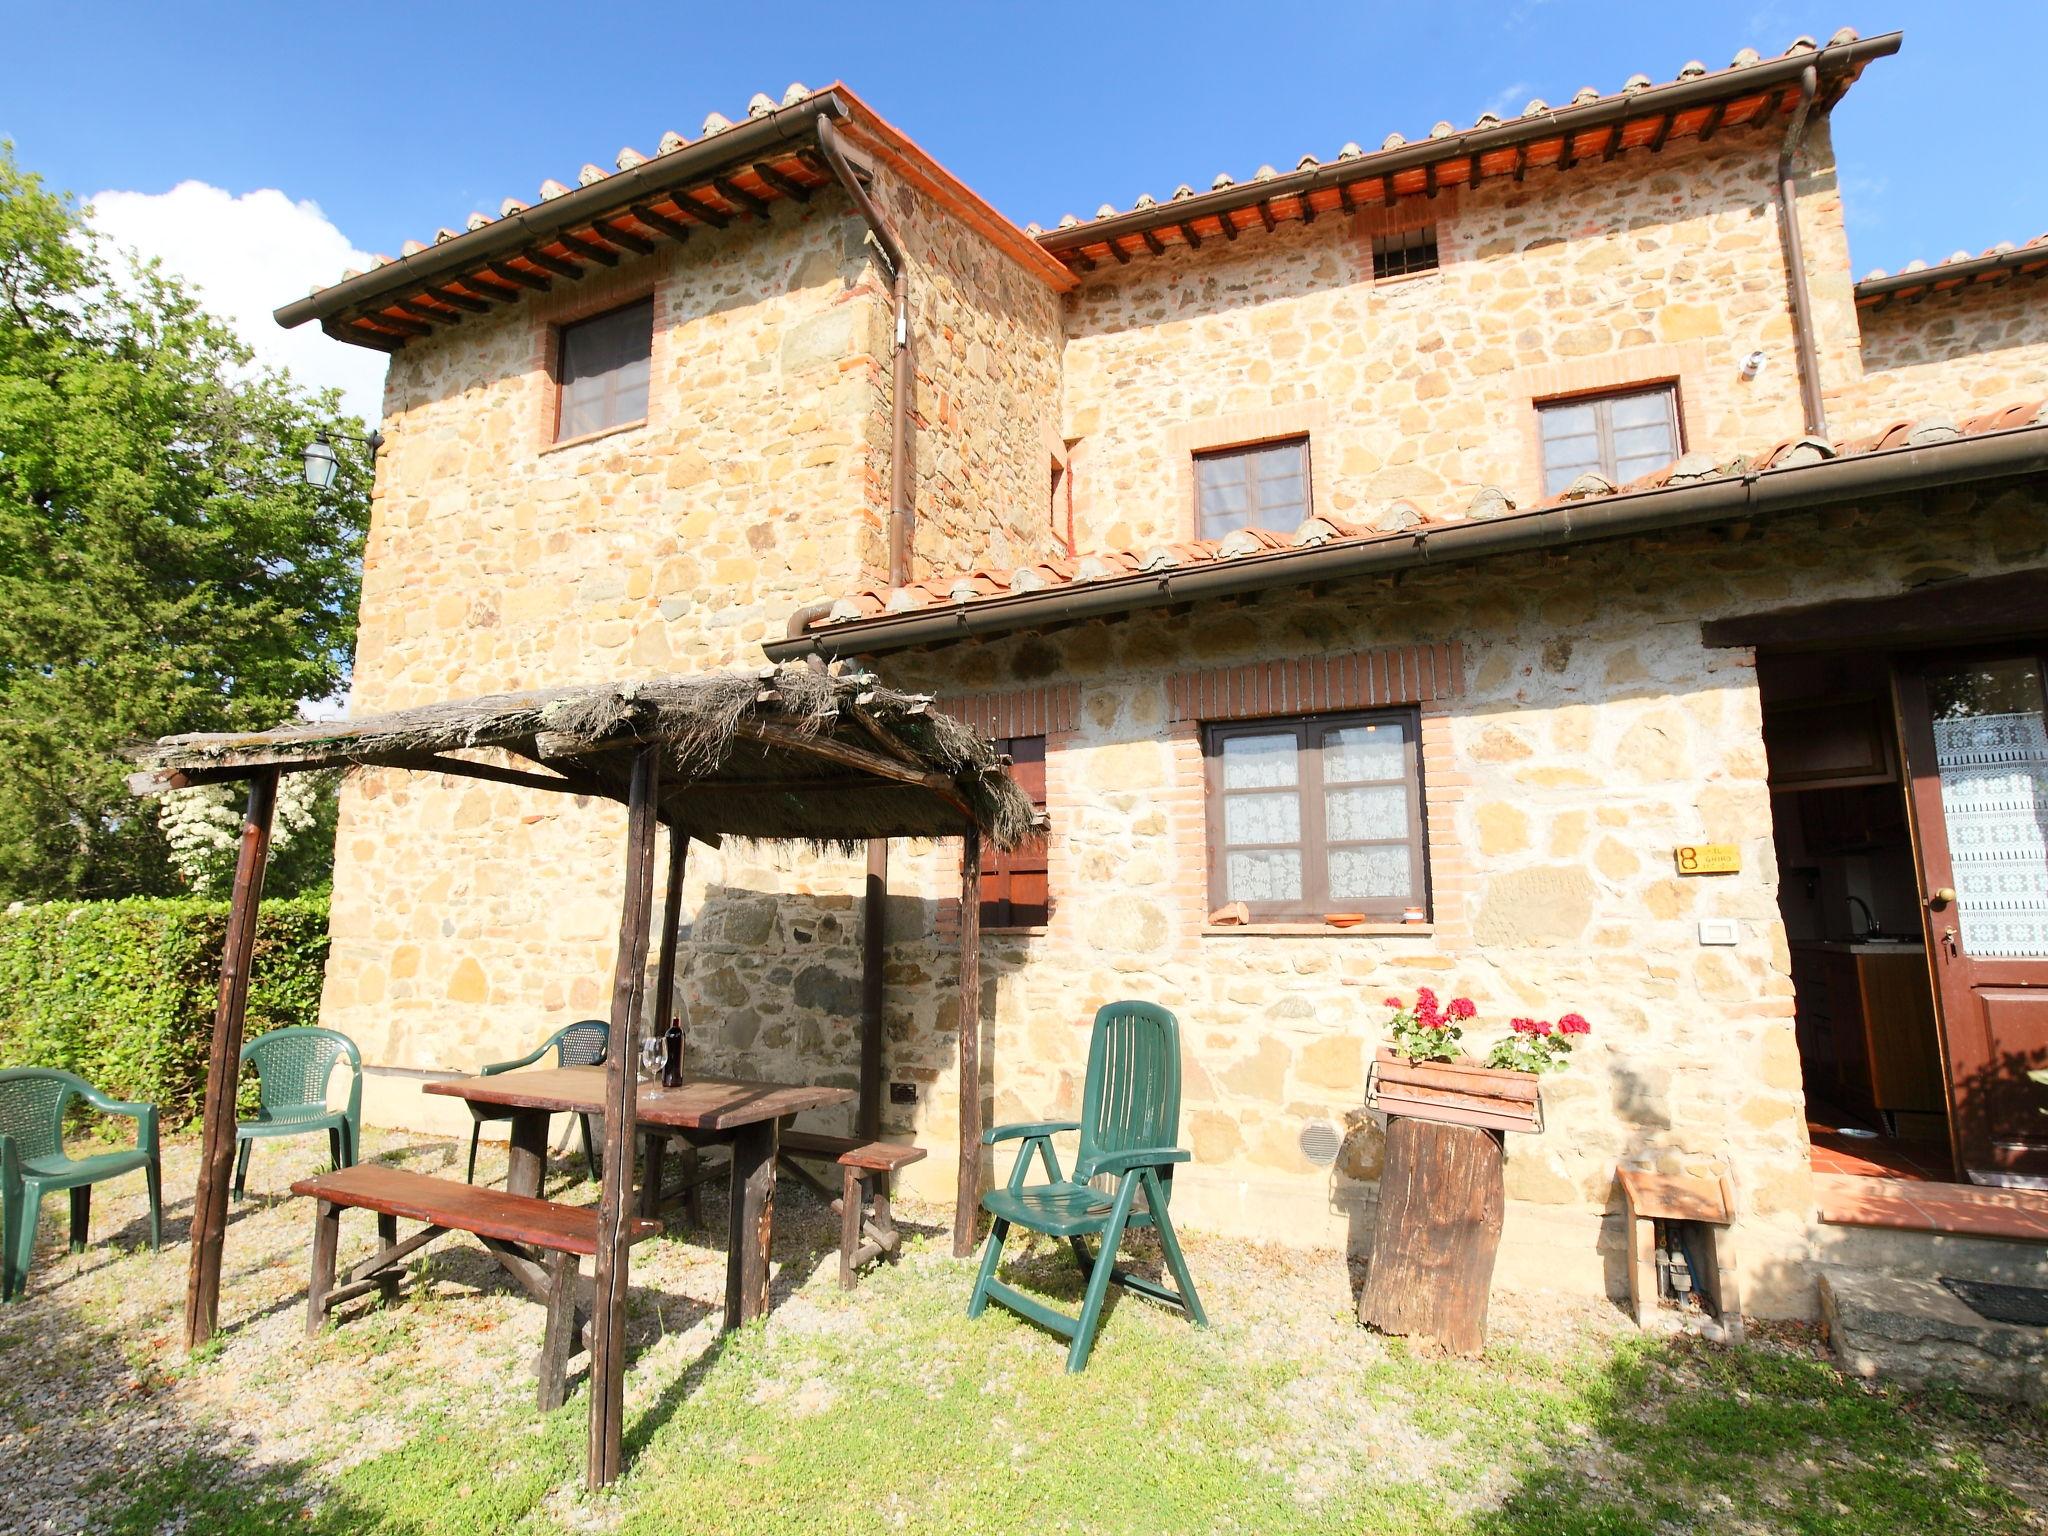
x=1015, y=889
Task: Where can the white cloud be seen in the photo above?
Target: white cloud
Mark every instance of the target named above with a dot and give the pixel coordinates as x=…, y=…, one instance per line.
x=246, y=255
x=1508, y=101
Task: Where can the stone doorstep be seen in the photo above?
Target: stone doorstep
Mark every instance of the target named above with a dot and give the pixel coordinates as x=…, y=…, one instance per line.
x=1912, y=1330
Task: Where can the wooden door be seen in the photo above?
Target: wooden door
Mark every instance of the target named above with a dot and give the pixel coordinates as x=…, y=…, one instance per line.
x=1975, y=728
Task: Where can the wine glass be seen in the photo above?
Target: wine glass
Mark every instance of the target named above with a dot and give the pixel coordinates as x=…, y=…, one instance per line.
x=650, y=1056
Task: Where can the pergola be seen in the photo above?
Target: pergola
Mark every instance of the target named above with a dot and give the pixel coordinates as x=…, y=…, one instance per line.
x=827, y=758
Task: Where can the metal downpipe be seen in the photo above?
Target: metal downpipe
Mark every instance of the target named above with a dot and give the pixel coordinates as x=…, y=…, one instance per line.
x=1795, y=256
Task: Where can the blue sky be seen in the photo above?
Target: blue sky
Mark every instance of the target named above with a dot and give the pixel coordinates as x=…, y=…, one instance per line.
x=396, y=118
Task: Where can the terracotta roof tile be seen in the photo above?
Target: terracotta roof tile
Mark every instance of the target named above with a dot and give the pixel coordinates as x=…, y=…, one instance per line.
x=1489, y=501
x=1993, y=266
x=1442, y=130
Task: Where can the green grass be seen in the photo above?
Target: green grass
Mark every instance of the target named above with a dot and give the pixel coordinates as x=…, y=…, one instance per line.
x=889, y=1411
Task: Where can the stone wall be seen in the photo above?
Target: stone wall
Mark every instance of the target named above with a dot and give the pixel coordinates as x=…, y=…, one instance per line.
x=470, y=919
x=1955, y=353
x=1642, y=271
x=988, y=389
x=1592, y=734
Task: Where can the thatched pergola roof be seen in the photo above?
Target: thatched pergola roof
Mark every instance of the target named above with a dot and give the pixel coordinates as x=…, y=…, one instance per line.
x=786, y=753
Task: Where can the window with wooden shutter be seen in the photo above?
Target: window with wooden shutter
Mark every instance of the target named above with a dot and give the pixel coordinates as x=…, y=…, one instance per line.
x=1015, y=892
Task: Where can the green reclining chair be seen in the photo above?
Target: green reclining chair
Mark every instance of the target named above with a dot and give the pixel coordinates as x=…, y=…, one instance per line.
x=33, y=1162
x=292, y=1069
x=1130, y=1120
x=582, y=1044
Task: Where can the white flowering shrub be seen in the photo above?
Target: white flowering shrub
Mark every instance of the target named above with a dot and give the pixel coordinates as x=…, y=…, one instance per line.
x=203, y=825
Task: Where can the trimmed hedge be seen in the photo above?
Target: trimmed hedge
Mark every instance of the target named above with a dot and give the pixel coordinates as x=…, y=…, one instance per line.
x=122, y=992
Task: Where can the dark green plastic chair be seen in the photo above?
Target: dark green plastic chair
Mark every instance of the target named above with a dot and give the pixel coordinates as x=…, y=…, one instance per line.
x=1130, y=1120
x=582, y=1044
x=292, y=1070
x=33, y=1162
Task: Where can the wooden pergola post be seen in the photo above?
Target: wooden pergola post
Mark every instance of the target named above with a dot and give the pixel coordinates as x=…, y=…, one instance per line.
x=671, y=927
x=224, y=1064
x=967, y=1202
x=873, y=957
x=621, y=1104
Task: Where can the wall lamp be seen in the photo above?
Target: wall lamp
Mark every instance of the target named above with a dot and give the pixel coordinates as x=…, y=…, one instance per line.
x=323, y=463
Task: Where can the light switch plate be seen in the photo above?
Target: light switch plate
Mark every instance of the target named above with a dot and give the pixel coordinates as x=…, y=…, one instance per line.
x=1718, y=930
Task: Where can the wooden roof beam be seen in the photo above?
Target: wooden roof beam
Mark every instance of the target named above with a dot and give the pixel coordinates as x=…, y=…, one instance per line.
x=1308, y=207
x=1080, y=258
x=1613, y=144
x=1712, y=125
x=1123, y=257
x=427, y=313
x=740, y=197
x=1344, y=197
x=589, y=248
x=788, y=186
x=523, y=278
x=356, y=333
x=1187, y=233
x=1265, y=215
x=661, y=223
x=717, y=218
x=1429, y=178
x=631, y=241
x=460, y=300
x=1152, y=241
x=1388, y=195
x=1567, y=152
x=1663, y=132
x=1472, y=171
x=1228, y=225
x=491, y=288
x=1521, y=160
x=559, y=265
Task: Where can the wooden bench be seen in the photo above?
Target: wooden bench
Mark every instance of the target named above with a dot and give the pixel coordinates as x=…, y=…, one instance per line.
x=540, y=1245
x=867, y=1227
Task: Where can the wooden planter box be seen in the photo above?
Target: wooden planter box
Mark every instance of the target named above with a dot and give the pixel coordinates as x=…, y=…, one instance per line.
x=1455, y=1093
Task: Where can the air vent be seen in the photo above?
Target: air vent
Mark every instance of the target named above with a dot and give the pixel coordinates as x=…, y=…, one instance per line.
x=1320, y=1143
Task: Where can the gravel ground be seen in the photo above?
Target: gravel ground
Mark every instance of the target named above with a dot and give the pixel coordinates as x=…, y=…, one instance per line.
x=96, y=1398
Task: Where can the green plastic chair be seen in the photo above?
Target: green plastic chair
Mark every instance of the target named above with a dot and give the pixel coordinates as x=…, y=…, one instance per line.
x=33, y=1162
x=1130, y=1120
x=292, y=1069
x=582, y=1044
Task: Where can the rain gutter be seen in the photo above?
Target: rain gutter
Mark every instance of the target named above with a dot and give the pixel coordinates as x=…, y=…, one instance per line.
x=2015, y=451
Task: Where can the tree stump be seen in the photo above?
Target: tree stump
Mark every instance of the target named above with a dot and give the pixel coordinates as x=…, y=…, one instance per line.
x=1440, y=1208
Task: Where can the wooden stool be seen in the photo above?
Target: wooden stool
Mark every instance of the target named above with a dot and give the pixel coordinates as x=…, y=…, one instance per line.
x=867, y=1227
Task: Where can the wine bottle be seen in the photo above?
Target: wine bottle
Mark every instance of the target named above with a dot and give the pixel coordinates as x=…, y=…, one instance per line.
x=672, y=1055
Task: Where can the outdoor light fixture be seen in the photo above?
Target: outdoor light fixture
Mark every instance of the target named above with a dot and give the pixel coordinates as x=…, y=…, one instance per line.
x=323, y=464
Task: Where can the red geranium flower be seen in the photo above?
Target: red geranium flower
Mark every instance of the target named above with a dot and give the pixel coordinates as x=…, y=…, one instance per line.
x=1573, y=1024
x=1462, y=1008
x=1393, y=1002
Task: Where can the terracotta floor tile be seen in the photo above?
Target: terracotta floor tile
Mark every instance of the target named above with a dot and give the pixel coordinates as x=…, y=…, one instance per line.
x=1964, y=1209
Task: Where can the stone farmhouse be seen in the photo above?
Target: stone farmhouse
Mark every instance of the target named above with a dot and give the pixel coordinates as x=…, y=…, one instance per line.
x=1520, y=561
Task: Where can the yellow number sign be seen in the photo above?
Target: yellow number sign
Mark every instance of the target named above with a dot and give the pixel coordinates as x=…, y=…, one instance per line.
x=1708, y=858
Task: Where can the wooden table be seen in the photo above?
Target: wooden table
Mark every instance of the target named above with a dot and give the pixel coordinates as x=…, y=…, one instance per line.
x=748, y=1114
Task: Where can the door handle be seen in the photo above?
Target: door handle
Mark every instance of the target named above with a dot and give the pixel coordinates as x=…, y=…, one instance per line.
x=1944, y=897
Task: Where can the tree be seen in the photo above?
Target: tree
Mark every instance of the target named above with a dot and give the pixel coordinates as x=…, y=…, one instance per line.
x=163, y=567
